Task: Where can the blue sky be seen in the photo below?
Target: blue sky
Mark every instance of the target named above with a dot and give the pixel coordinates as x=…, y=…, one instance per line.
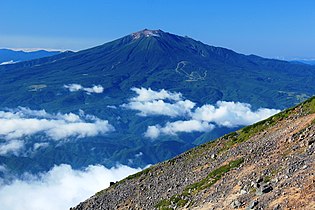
x=270, y=28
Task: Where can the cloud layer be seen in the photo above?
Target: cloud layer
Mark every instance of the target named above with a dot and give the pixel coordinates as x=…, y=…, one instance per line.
x=24, y=122
x=231, y=114
x=172, y=128
x=192, y=119
x=160, y=107
x=145, y=95
x=78, y=87
x=149, y=102
x=60, y=188
x=12, y=146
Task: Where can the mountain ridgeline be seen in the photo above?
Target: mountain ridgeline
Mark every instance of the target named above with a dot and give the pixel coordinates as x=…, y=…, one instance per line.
x=268, y=165
x=150, y=59
x=11, y=56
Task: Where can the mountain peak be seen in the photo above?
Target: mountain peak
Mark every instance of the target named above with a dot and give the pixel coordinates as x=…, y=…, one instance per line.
x=147, y=33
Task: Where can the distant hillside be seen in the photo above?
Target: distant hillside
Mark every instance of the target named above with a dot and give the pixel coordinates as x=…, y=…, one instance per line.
x=268, y=165
x=309, y=62
x=8, y=56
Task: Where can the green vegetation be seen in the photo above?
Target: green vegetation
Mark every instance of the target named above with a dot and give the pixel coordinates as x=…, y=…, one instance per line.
x=252, y=190
x=215, y=175
x=249, y=131
x=267, y=179
x=136, y=175
x=164, y=204
x=197, y=151
x=309, y=106
x=177, y=200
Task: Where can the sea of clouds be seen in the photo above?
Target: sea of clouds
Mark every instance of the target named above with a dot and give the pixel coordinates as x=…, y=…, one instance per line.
x=62, y=186
x=17, y=124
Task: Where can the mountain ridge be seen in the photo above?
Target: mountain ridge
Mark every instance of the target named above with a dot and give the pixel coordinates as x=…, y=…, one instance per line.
x=8, y=56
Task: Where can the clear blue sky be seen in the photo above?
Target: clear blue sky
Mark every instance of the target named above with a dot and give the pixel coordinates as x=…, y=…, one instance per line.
x=270, y=28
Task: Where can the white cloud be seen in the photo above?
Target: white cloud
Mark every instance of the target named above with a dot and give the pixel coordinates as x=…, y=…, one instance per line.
x=111, y=106
x=172, y=128
x=3, y=169
x=37, y=146
x=60, y=188
x=78, y=87
x=94, y=89
x=150, y=102
x=23, y=122
x=202, y=119
x=74, y=87
x=8, y=62
x=231, y=114
x=138, y=154
x=153, y=131
x=145, y=95
x=11, y=147
x=159, y=107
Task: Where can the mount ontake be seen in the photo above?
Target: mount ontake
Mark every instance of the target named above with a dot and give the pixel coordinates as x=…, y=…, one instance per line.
x=93, y=86
x=268, y=165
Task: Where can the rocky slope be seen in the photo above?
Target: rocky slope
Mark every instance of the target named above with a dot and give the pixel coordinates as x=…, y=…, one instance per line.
x=269, y=165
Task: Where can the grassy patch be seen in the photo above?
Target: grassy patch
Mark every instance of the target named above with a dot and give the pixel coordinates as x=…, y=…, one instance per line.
x=267, y=179
x=213, y=177
x=182, y=199
x=249, y=131
x=252, y=190
x=177, y=200
x=164, y=204
x=197, y=151
x=136, y=175
x=309, y=106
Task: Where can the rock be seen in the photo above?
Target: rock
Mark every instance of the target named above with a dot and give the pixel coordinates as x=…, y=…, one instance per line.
x=277, y=207
x=295, y=147
x=243, y=192
x=275, y=180
x=252, y=205
x=311, y=141
x=265, y=188
x=213, y=156
x=259, y=180
x=236, y=204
